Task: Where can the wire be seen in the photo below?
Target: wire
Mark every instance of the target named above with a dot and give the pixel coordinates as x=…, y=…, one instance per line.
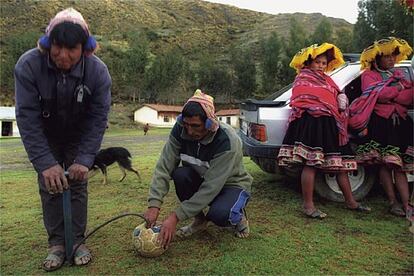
x=70, y=259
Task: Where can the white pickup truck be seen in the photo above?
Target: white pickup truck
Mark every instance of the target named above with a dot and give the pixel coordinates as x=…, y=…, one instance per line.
x=263, y=124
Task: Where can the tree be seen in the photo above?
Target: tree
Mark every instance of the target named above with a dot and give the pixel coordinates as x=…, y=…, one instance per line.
x=135, y=59
x=363, y=33
x=270, y=63
x=14, y=46
x=404, y=26
x=322, y=33
x=297, y=40
x=379, y=19
x=344, y=40
x=214, y=78
x=244, y=68
x=163, y=76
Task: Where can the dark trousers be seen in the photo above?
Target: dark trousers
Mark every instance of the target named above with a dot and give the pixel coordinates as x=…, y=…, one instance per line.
x=52, y=204
x=226, y=208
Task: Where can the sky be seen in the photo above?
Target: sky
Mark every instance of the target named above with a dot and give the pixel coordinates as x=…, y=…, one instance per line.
x=346, y=9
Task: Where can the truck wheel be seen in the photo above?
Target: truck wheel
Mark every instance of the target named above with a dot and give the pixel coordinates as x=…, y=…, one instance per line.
x=361, y=182
x=266, y=164
x=292, y=172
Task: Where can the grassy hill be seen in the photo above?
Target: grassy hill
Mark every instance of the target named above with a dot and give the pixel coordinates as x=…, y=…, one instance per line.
x=195, y=27
x=190, y=24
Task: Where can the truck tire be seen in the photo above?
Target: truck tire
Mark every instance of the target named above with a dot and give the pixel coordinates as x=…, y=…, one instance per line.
x=292, y=172
x=266, y=164
x=361, y=182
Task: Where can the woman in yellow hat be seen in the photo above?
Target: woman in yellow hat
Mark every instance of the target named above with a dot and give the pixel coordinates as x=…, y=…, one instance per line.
x=380, y=116
x=317, y=137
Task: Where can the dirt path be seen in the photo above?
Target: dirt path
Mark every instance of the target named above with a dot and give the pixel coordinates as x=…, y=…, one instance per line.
x=14, y=157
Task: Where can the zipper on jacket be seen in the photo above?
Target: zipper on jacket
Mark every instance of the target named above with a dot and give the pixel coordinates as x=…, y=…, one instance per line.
x=198, y=149
x=64, y=79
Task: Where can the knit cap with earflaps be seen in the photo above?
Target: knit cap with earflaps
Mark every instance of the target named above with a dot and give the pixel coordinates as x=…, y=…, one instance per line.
x=73, y=16
x=207, y=103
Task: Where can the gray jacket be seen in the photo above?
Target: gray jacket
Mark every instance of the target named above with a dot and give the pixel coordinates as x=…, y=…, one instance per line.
x=51, y=110
x=218, y=158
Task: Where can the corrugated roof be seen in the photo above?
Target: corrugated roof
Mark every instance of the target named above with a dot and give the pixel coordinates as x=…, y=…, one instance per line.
x=165, y=108
x=228, y=112
x=7, y=113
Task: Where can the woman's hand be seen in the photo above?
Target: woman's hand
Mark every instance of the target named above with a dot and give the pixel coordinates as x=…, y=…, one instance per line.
x=342, y=102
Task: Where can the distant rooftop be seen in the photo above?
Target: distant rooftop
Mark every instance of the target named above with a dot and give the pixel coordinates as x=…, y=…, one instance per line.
x=228, y=112
x=165, y=108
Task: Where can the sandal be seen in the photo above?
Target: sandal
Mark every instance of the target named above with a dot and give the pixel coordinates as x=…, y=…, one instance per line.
x=82, y=256
x=242, y=229
x=57, y=256
x=410, y=213
x=397, y=210
x=360, y=208
x=315, y=214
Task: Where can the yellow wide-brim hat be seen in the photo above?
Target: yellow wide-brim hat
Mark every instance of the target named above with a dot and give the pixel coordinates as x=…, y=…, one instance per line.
x=386, y=46
x=335, y=58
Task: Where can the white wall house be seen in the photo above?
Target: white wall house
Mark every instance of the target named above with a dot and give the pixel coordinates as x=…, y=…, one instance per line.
x=229, y=116
x=157, y=115
x=8, y=125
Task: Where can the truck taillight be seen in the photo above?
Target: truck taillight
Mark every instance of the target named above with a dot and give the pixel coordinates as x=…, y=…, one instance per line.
x=258, y=132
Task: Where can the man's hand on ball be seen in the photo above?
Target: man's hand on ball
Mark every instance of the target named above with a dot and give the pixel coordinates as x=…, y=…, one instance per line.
x=151, y=215
x=168, y=229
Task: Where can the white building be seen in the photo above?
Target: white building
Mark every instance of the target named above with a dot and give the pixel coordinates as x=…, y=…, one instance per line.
x=229, y=116
x=157, y=115
x=8, y=123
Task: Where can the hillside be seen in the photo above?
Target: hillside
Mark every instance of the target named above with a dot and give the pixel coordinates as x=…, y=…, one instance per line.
x=191, y=25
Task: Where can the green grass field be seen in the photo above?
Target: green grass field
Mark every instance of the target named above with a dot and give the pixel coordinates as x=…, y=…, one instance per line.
x=283, y=241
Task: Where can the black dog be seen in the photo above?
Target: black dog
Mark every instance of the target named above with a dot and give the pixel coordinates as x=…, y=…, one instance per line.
x=107, y=157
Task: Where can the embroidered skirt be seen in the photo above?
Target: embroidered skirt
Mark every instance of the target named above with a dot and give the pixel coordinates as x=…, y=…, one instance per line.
x=313, y=141
x=389, y=141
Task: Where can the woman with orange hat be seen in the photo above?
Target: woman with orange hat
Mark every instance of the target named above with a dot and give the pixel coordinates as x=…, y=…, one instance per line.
x=317, y=137
x=380, y=117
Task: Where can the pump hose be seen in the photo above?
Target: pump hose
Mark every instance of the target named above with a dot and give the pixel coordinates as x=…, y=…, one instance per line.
x=99, y=227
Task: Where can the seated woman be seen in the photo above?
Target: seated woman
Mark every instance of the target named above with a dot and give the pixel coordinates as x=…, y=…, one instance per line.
x=380, y=117
x=317, y=137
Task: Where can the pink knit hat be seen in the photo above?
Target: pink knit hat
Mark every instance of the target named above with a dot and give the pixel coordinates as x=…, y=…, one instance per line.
x=207, y=103
x=73, y=16
x=68, y=15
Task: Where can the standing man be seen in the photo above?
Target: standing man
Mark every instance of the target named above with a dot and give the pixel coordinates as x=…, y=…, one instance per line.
x=146, y=128
x=211, y=174
x=62, y=104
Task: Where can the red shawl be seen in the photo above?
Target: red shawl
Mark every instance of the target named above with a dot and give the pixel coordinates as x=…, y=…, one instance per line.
x=316, y=93
x=361, y=109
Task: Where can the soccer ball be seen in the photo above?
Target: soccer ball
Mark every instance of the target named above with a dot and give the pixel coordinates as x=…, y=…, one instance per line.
x=145, y=241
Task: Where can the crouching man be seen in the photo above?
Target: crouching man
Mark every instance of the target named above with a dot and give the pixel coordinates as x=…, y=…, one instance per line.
x=211, y=174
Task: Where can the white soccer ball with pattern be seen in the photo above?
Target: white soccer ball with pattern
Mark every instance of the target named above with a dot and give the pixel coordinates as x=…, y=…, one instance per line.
x=145, y=241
